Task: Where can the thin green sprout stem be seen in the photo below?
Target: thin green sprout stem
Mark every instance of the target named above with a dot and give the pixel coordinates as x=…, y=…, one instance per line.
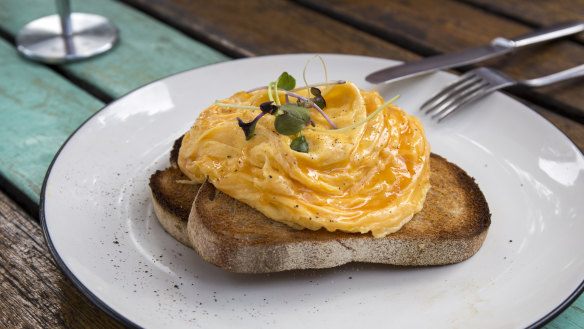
x=320, y=84
x=369, y=117
x=327, y=83
x=306, y=66
x=270, y=96
x=237, y=106
x=276, y=94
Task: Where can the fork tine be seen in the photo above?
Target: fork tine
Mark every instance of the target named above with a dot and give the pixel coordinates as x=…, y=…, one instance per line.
x=457, y=96
x=450, y=89
x=462, y=101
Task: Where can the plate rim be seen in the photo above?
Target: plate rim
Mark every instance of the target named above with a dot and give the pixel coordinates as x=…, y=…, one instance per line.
x=545, y=319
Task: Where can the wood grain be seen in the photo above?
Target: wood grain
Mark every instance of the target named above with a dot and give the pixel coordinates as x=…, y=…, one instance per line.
x=41, y=106
x=536, y=13
x=263, y=27
x=148, y=49
x=33, y=291
x=39, y=109
x=572, y=129
x=427, y=28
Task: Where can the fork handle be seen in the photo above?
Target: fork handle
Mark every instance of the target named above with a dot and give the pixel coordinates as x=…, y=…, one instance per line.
x=548, y=33
x=574, y=72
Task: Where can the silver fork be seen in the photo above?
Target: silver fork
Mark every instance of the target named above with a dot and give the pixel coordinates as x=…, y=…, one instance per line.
x=478, y=83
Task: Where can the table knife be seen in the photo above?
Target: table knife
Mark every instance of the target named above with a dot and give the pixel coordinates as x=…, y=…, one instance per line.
x=498, y=46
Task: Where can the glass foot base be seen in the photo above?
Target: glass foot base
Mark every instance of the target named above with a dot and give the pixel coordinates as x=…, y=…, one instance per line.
x=42, y=39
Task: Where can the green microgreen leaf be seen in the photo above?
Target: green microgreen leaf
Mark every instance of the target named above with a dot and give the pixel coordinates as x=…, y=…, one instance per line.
x=299, y=144
x=286, y=81
x=293, y=120
x=315, y=91
x=319, y=100
x=268, y=107
x=290, y=118
x=249, y=127
x=299, y=112
x=303, y=102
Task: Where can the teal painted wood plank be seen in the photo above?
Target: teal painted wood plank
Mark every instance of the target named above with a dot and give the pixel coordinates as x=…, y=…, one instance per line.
x=148, y=49
x=571, y=318
x=39, y=109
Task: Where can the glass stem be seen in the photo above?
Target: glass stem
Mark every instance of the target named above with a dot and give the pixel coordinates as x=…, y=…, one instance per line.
x=64, y=10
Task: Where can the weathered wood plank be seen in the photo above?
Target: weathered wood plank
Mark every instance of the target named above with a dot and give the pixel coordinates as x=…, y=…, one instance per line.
x=148, y=49
x=428, y=28
x=262, y=27
x=33, y=291
x=536, y=13
x=38, y=111
x=572, y=318
x=39, y=108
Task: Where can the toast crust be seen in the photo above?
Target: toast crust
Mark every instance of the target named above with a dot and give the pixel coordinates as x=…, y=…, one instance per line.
x=172, y=201
x=450, y=228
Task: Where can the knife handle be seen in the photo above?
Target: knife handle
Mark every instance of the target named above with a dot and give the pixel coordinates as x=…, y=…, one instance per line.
x=547, y=33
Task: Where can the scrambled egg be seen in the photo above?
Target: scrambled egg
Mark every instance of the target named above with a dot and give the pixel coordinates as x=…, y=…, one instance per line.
x=372, y=178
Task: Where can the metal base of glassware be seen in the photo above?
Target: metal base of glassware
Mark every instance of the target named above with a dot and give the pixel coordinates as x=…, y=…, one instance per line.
x=43, y=40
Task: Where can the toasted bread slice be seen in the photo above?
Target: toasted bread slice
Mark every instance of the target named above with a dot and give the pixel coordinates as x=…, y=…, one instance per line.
x=450, y=228
x=172, y=197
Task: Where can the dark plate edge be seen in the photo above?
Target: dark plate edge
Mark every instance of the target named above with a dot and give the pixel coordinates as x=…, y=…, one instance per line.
x=580, y=289
x=128, y=323
x=61, y=264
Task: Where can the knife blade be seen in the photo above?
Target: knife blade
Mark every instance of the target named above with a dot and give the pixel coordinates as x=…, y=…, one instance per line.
x=498, y=47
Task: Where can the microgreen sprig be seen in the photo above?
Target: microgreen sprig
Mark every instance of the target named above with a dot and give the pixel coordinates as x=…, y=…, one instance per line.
x=293, y=117
x=318, y=84
x=311, y=102
x=249, y=127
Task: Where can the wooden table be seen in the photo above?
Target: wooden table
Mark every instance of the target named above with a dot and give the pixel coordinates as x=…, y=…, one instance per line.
x=41, y=105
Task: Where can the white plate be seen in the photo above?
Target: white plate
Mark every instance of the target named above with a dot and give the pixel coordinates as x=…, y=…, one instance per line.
x=100, y=226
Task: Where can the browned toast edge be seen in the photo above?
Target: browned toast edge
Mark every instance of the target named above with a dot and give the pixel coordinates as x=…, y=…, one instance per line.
x=172, y=201
x=233, y=255
x=238, y=250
